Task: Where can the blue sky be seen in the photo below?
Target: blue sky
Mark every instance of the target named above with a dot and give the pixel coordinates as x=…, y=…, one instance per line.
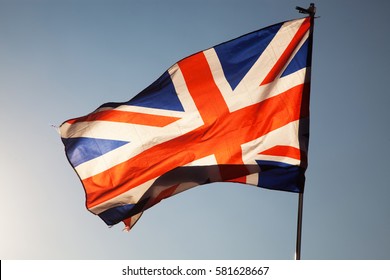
x=62, y=59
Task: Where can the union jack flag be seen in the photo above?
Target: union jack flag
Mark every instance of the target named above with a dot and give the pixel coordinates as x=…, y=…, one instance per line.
x=237, y=112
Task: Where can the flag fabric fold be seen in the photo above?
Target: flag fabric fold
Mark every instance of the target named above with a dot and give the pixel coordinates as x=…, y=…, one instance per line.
x=236, y=112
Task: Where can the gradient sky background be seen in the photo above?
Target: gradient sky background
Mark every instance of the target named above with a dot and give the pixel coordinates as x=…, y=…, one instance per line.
x=62, y=59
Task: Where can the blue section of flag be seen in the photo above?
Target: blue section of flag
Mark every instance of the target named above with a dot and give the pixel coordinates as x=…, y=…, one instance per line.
x=82, y=149
x=239, y=55
x=299, y=61
x=280, y=176
x=160, y=95
x=117, y=214
x=114, y=215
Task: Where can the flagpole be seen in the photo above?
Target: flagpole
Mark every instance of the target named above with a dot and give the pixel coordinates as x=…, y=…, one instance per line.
x=299, y=227
x=311, y=11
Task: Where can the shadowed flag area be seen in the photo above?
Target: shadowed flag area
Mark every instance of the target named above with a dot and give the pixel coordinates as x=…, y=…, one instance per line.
x=236, y=112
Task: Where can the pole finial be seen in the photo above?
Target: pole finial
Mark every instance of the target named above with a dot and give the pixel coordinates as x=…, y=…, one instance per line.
x=309, y=11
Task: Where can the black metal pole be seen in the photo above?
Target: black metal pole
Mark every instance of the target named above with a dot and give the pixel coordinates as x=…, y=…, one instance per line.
x=299, y=227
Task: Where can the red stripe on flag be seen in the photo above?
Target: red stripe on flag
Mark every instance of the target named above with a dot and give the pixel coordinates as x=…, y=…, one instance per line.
x=283, y=151
x=211, y=106
x=127, y=117
x=282, y=61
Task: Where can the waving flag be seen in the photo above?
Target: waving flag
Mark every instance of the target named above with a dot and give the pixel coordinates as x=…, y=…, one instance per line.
x=237, y=112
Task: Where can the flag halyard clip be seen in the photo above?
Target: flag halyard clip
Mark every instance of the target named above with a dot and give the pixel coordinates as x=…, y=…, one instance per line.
x=311, y=11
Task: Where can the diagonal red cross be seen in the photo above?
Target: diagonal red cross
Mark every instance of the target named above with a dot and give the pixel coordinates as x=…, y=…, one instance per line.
x=221, y=135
